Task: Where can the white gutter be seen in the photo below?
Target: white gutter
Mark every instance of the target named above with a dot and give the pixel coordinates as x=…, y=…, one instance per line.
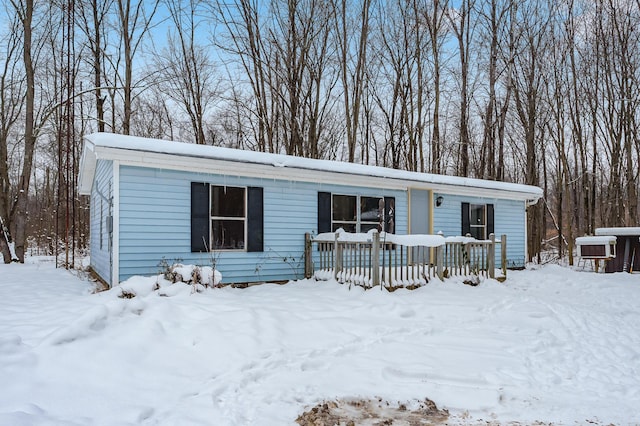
x=209, y=165
x=115, y=244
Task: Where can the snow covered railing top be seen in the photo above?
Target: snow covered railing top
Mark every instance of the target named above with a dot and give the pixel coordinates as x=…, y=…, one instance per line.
x=383, y=257
x=414, y=240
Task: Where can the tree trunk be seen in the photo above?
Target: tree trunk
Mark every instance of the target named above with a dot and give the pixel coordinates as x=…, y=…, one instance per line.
x=18, y=219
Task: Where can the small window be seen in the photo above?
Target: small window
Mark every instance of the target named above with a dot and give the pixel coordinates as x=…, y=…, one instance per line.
x=344, y=213
x=478, y=221
x=371, y=213
x=228, y=218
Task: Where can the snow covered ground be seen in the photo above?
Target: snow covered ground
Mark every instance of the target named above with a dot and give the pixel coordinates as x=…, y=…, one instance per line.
x=551, y=345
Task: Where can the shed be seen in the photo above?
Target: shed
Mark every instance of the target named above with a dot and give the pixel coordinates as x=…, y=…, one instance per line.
x=249, y=211
x=627, y=247
x=596, y=248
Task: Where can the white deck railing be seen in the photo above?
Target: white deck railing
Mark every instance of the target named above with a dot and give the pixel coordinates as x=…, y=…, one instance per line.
x=392, y=261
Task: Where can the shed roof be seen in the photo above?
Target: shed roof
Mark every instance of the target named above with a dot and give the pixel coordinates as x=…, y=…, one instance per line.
x=187, y=156
x=621, y=231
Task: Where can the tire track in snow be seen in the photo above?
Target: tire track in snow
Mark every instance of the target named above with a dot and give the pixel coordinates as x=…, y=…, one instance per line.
x=230, y=400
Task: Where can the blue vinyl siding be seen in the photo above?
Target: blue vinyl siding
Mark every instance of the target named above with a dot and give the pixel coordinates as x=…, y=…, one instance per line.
x=155, y=223
x=509, y=219
x=101, y=195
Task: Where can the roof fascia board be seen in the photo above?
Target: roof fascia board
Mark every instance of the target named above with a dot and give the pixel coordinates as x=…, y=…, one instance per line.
x=234, y=168
x=266, y=171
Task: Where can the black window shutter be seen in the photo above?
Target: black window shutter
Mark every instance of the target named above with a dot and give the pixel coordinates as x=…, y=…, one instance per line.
x=466, y=225
x=255, y=219
x=390, y=214
x=324, y=212
x=490, y=227
x=199, y=216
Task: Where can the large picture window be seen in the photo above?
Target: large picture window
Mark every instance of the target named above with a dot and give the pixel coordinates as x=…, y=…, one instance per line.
x=355, y=213
x=228, y=218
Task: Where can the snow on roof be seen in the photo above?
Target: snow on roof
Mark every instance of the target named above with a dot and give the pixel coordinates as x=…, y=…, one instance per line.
x=618, y=231
x=582, y=241
x=133, y=143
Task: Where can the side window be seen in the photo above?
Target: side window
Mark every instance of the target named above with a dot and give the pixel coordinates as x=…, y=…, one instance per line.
x=344, y=213
x=228, y=217
x=371, y=213
x=477, y=220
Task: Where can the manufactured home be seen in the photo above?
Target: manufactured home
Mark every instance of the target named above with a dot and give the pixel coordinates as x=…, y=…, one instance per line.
x=156, y=200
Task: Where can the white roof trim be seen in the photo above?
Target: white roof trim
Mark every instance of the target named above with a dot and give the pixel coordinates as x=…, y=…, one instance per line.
x=87, y=168
x=618, y=231
x=131, y=150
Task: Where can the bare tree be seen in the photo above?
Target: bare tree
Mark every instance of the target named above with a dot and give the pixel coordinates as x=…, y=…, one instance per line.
x=300, y=37
x=495, y=25
x=532, y=44
x=621, y=62
x=242, y=21
x=33, y=26
x=134, y=20
x=11, y=104
x=92, y=21
x=400, y=88
x=462, y=26
x=187, y=72
x=434, y=14
x=352, y=37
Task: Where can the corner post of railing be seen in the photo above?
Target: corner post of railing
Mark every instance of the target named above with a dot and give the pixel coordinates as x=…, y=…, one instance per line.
x=440, y=262
x=308, y=262
x=503, y=254
x=491, y=256
x=375, y=260
x=337, y=250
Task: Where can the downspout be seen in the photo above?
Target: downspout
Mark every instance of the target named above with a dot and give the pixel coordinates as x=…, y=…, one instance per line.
x=115, y=229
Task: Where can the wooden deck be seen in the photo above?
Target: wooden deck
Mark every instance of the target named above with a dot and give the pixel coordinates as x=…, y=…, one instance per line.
x=391, y=261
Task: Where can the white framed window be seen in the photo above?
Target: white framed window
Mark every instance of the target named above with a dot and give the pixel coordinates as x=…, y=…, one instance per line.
x=478, y=221
x=358, y=213
x=228, y=212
